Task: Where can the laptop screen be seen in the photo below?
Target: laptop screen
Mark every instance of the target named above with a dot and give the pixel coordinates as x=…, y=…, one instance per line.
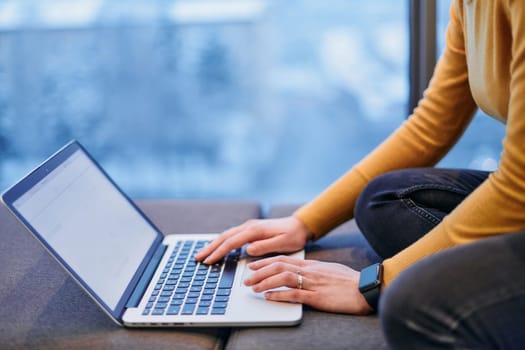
x=86, y=220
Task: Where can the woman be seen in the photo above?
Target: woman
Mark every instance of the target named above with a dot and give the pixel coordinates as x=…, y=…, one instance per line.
x=453, y=268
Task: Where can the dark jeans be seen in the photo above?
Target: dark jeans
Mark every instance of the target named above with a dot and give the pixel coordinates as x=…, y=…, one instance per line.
x=467, y=297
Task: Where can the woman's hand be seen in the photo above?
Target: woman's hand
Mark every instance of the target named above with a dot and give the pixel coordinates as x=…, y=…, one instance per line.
x=324, y=286
x=283, y=235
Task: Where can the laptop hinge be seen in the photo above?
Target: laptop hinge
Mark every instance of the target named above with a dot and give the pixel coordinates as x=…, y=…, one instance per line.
x=146, y=277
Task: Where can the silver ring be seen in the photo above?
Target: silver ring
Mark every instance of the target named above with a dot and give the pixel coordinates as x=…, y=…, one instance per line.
x=299, y=280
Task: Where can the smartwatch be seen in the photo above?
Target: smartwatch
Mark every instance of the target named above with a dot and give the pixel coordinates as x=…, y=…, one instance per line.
x=370, y=283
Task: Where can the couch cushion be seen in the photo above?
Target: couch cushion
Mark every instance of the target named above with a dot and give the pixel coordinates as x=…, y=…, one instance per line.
x=320, y=330
x=42, y=307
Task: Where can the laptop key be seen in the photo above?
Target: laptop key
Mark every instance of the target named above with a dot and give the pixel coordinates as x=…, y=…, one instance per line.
x=196, y=289
x=223, y=292
x=208, y=292
x=175, y=302
x=179, y=296
x=161, y=305
x=205, y=303
x=181, y=292
x=229, y=271
x=222, y=298
x=218, y=311
x=218, y=305
x=188, y=309
x=173, y=310
x=202, y=310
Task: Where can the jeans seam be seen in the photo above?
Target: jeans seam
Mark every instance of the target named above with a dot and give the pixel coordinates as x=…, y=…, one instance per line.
x=413, y=207
x=468, y=312
x=486, y=301
x=454, y=323
x=420, y=211
x=402, y=193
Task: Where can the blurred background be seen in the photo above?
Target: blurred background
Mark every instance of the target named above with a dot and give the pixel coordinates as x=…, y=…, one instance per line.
x=265, y=100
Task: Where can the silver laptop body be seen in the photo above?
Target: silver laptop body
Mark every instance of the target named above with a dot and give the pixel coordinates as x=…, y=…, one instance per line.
x=135, y=274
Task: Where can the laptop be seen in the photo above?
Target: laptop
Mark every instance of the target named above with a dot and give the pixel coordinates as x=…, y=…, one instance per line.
x=138, y=276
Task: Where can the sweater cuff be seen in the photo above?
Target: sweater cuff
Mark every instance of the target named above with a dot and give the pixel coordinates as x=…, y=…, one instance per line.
x=434, y=241
x=334, y=206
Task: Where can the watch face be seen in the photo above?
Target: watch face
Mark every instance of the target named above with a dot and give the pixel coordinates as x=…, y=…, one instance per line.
x=370, y=277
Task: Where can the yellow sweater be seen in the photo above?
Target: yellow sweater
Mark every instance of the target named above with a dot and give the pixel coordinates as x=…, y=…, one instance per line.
x=483, y=65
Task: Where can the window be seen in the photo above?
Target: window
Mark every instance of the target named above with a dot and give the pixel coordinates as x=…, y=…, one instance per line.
x=264, y=100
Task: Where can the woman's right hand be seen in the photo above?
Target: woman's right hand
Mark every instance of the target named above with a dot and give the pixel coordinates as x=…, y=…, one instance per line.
x=282, y=235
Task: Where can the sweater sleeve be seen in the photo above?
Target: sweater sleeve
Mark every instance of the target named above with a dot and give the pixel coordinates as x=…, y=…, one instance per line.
x=498, y=205
x=422, y=140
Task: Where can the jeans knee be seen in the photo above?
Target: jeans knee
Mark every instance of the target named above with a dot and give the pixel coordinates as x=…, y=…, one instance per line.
x=365, y=212
x=374, y=205
x=393, y=308
x=362, y=214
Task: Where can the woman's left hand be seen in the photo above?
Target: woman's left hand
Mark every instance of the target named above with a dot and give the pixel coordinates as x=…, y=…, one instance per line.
x=324, y=286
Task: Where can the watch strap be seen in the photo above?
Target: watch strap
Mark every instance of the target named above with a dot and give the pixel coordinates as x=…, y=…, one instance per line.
x=372, y=296
x=370, y=284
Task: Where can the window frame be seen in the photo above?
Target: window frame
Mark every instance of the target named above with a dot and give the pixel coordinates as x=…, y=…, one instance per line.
x=423, y=47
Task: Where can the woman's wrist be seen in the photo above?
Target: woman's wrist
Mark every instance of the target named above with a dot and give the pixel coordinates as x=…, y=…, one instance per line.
x=303, y=230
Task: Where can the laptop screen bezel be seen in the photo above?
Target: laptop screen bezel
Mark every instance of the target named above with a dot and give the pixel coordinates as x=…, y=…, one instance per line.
x=10, y=196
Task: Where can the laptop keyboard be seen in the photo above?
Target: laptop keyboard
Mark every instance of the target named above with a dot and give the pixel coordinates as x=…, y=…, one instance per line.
x=187, y=287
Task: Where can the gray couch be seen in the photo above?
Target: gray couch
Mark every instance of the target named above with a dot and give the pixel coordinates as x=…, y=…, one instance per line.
x=42, y=307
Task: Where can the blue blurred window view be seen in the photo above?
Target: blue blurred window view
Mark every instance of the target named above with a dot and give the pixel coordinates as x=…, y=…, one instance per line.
x=267, y=100
x=245, y=99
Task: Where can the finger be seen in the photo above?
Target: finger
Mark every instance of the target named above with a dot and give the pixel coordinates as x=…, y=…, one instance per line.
x=259, y=264
x=208, y=249
x=247, y=233
x=278, y=268
x=299, y=296
x=284, y=279
x=269, y=245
